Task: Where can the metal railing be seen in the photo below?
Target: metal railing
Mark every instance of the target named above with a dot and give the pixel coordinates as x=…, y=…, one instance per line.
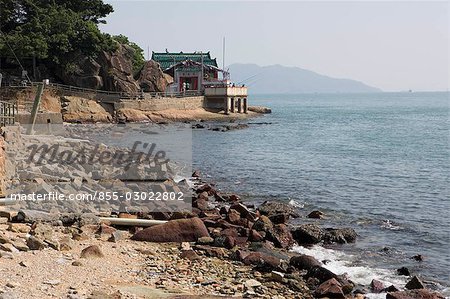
x=111, y=95
x=8, y=111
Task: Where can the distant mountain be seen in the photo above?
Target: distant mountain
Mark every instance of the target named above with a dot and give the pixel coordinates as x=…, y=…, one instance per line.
x=282, y=79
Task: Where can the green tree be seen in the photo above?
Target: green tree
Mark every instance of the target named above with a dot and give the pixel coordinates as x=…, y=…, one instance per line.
x=138, y=58
x=53, y=30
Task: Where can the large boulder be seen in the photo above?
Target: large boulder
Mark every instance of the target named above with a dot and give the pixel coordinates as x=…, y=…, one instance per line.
x=280, y=236
x=85, y=75
x=264, y=262
x=339, y=235
x=272, y=208
x=263, y=224
x=414, y=284
x=304, y=262
x=330, y=289
x=307, y=234
x=117, y=70
x=180, y=230
x=320, y=273
x=377, y=286
x=151, y=77
x=112, y=71
x=414, y=294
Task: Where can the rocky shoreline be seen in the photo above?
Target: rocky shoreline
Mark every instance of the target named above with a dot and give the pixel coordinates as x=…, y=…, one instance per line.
x=224, y=247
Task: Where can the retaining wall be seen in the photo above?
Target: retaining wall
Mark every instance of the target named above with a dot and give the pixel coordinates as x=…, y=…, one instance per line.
x=158, y=104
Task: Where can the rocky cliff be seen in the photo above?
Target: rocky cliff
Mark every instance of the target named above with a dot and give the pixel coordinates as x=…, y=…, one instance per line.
x=114, y=72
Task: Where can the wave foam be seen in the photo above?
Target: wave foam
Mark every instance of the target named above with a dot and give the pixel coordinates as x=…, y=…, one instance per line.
x=342, y=263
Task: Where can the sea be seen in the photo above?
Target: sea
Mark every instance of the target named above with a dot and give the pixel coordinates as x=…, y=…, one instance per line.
x=378, y=163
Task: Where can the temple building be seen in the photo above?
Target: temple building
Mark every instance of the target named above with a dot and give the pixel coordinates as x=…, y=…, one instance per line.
x=187, y=71
x=198, y=73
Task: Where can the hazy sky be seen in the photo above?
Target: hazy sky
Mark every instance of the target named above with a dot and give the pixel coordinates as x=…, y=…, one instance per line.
x=390, y=45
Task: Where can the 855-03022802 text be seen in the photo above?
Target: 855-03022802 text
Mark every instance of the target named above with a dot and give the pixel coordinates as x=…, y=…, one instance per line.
x=100, y=196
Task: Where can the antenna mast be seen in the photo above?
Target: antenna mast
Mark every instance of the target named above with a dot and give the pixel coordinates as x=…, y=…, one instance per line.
x=223, y=55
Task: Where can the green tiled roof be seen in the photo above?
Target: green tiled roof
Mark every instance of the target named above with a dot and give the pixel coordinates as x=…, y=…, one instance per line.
x=166, y=60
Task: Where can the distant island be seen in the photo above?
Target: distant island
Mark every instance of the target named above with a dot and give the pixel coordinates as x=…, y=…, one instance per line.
x=283, y=79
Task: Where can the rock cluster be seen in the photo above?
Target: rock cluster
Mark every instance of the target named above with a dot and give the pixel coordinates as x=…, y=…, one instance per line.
x=114, y=72
x=260, y=237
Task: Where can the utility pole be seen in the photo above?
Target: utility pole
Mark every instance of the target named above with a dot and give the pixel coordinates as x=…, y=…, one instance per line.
x=37, y=102
x=223, y=55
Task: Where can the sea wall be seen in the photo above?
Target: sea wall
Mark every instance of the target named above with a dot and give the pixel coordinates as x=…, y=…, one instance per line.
x=159, y=104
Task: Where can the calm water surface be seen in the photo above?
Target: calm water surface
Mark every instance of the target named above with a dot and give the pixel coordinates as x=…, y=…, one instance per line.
x=376, y=162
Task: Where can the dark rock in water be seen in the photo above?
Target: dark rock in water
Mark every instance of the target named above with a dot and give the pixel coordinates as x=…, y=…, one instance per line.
x=414, y=294
x=263, y=262
x=339, y=235
x=316, y=215
x=418, y=257
x=376, y=286
x=391, y=288
x=198, y=126
x=180, y=230
x=304, y=262
x=414, y=284
x=196, y=174
x=321, y=273
x=280, y=236
x=403, y=271
x=226, y=128
x=260, y=109
x=272, y=208
x=330, y=289
x=307, y=234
